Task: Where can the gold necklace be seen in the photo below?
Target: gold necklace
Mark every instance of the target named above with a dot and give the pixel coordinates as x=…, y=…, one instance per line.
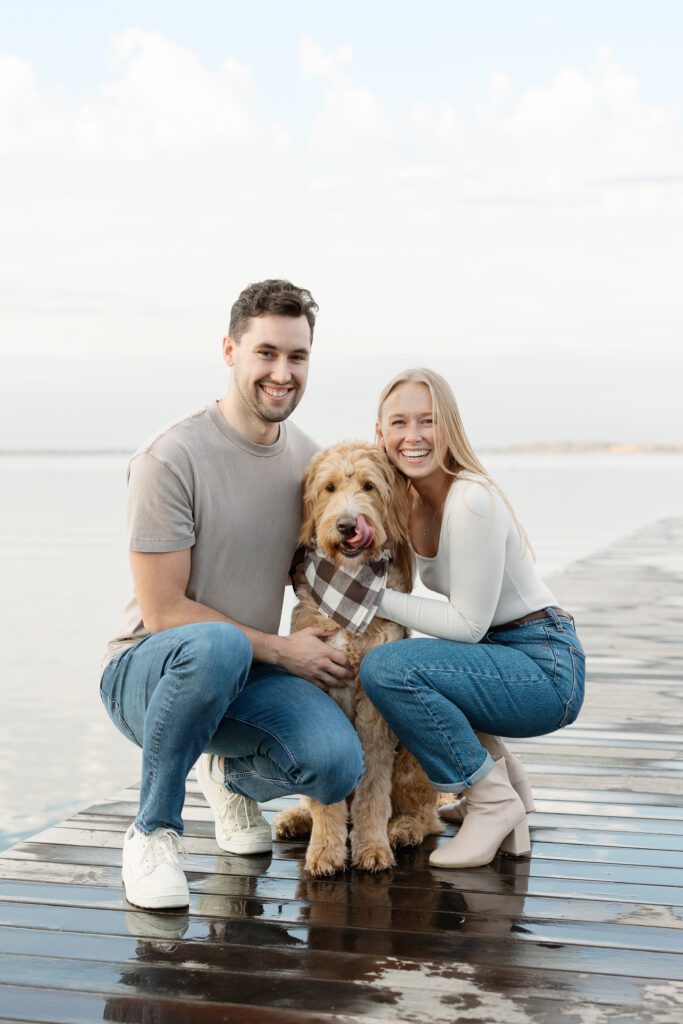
x=427, y=528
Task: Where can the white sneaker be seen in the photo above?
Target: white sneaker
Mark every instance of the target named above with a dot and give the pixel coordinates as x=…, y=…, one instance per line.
x=152, y=876
x=240, y=826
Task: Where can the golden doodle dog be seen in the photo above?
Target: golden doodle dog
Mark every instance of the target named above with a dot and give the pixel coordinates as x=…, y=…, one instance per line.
x=356, y=508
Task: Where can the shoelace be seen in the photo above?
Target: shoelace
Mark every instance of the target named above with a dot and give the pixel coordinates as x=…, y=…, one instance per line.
x=241, y=812
x=165, y=845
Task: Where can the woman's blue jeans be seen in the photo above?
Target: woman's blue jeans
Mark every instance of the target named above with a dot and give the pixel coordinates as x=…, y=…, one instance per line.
x=193, y=689
x=525, y=681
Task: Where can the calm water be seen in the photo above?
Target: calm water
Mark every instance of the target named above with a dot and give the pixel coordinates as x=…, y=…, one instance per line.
x=66, y=580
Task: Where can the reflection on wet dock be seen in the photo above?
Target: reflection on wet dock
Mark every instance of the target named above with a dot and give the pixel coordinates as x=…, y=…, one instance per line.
x=590, y=928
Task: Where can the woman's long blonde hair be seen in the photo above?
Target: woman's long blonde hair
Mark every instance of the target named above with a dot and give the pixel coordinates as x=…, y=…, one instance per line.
x=449, y=429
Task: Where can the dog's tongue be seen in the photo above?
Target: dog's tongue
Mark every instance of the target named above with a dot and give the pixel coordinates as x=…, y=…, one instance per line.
x=364, y=535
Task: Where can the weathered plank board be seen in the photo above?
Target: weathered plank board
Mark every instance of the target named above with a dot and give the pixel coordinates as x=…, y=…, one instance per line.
x=590, y=927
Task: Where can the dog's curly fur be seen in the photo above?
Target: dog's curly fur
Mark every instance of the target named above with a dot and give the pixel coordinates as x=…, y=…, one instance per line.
x=394, y=804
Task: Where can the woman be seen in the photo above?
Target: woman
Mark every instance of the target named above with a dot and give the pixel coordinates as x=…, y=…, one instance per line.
x=505, y=659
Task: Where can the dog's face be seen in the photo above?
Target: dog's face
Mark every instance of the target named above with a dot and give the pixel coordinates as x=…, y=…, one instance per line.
x=355, y=503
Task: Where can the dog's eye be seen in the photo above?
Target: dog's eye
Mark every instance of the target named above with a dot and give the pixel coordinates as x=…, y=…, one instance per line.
x=368, y=487
x=330, y=488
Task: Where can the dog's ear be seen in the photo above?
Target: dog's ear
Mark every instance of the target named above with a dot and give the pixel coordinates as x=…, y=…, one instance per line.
x=307, y=532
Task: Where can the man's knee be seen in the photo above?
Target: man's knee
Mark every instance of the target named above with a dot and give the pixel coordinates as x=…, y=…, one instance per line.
x=215, y=655
x=333, y=771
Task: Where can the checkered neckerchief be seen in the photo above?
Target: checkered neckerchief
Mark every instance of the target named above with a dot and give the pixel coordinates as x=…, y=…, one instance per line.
x=348, y=598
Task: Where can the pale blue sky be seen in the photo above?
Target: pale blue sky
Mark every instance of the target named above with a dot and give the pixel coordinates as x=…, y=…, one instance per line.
x=401, y=47
x=495, y=190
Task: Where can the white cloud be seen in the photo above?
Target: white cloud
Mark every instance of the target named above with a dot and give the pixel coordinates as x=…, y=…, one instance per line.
x=315, y=62
x=352, y=127
x=551, y=211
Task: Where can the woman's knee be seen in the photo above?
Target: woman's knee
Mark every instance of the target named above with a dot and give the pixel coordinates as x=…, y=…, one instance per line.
x=377, y=671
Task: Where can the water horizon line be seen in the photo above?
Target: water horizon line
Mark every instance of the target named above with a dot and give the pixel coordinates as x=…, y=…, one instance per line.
x=519, y=448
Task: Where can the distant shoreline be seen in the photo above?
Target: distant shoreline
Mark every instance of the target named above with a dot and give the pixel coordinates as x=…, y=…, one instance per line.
x=523, y=448
x=589, y=447
x=65, y=451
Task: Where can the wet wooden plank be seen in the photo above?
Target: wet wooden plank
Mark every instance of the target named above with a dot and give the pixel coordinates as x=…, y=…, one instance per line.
x=54, y=845
x=486, y=992
x=564, y=831
x=328, y=964
x=210, y=917
x=589, y=928
x=312, y=946
x=513, y=906
x=197, y=812
x=470, y=914
x=620, y=882
x=283, y=903
x=45, y=1005
x=236, y=988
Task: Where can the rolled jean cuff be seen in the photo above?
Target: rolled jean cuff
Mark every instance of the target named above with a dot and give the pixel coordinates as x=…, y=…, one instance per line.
x=459, y=787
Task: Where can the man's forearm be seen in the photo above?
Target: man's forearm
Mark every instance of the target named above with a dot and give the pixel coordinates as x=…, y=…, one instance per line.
x=266, y=647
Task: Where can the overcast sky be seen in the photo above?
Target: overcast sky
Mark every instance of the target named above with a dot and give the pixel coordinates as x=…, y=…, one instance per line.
x=493, y=190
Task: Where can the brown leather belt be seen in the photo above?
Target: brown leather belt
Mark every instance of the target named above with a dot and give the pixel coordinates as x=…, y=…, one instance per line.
x=542, y=614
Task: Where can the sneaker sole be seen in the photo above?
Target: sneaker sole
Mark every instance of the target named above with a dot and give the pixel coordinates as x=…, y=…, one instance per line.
x=235, y=844
x=168, y=901
x=247, y=846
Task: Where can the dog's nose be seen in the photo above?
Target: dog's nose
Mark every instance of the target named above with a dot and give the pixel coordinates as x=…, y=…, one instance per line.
x=346, y=525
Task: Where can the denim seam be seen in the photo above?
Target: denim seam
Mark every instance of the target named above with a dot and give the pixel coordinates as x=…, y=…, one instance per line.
x=454, y=670
x=499, y=677
x=155, y=739
x=571, y=695
x=116, y=708
x=238, y=776
x=132, y=734
x=526, y=681
x=521, y=640
x=552, y=648
x=444, y=737
x=297, y=769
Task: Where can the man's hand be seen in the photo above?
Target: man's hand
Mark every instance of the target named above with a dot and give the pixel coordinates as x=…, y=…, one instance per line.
x=306, y=654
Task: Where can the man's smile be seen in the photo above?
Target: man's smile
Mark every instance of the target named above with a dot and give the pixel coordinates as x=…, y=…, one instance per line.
x=277, y=394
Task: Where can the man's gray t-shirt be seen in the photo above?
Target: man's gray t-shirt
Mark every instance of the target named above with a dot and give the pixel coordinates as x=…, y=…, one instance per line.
x=199, y=484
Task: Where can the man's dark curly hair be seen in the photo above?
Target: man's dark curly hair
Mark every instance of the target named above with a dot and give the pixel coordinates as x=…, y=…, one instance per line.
x=279, y=298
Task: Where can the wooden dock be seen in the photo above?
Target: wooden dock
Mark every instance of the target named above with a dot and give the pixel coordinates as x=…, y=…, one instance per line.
x=589, y=929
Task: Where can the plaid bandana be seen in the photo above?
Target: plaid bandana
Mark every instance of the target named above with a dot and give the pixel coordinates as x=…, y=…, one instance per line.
x=349, y=599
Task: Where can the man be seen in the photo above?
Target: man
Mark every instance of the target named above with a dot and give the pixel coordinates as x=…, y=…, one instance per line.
x=198, y=672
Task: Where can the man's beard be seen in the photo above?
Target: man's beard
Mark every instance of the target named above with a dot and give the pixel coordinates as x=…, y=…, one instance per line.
x=252, y=398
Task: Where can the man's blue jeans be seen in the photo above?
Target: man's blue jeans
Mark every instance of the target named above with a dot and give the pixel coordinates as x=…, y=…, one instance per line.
x=193, y=689
x=525, y=681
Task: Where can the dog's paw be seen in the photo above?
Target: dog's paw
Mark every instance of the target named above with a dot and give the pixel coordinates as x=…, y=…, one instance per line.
x=324, y=860
x=404, y=830
x=373, y=856
x=294, y=823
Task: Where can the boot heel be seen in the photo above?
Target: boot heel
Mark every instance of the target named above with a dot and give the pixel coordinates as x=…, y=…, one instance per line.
x=517, y=843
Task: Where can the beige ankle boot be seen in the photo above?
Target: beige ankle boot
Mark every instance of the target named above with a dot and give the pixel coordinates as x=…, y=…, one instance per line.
x=495, y=819
x=457, y=809
x=515, y=769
